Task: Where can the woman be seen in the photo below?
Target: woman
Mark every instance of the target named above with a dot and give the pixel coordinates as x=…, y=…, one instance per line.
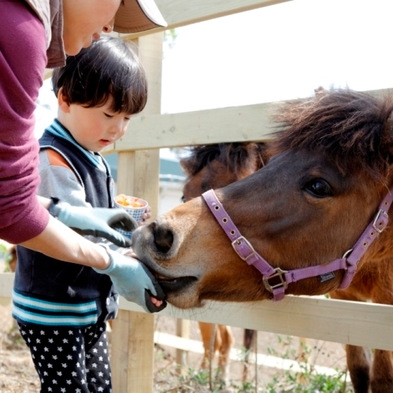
x=35, y=35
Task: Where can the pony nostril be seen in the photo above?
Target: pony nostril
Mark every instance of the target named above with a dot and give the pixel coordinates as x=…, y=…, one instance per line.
x=163, y=238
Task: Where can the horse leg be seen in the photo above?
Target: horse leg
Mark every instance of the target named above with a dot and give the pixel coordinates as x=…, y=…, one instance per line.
x=358, y=363
x=211, y=340
x=227, y=341
x=382, y=372
x=248, y=341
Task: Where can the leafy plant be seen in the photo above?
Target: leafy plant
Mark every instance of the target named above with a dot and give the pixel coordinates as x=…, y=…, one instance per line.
x=303, y=379
x=7, y=256
x=3, y=249
x=307, y=379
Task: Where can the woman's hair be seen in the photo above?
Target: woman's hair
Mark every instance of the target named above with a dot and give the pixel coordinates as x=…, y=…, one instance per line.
x=109, y=68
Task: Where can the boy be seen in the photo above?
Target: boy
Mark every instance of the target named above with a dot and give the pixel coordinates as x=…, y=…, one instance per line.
x=61, y=308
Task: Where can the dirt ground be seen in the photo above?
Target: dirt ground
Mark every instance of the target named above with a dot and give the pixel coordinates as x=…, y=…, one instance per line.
x=17, y=374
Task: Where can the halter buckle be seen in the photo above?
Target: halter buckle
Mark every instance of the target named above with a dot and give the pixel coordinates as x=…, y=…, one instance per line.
x=380, y=221
x=281, y=277
x=243, y=248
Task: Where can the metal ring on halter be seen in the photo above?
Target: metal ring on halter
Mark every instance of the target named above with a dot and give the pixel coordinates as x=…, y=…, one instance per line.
x=277, y=273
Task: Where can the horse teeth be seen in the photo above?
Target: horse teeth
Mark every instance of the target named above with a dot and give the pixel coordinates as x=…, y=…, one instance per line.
x=160, y=277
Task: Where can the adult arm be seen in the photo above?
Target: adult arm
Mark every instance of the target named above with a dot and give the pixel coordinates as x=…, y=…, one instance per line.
x=60, y=242
x=22, y=64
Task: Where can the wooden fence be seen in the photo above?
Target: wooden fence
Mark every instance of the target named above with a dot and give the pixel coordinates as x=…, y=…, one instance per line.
x=340, y=321
x=138, y=173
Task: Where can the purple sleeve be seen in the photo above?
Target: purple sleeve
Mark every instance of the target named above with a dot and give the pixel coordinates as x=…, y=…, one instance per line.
x=22, y=65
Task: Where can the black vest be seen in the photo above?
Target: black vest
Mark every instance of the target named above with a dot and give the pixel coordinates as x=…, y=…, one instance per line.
x=49, y=279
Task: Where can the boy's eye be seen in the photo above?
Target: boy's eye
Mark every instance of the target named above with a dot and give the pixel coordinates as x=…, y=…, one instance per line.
x=108, y=115
x=127, y=118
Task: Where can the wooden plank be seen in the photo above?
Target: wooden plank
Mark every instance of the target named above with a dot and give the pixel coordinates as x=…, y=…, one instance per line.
x=183, y=331
x=137, y=168
x=232, y=124
x=320, y=318
x=132, y=350
x=165, y=339
x=209, y=126
x=346, y=322
x=181, y=13
x=6, y=286
x=119, y=351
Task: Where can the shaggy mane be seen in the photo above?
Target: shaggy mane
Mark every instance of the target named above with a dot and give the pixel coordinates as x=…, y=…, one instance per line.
x=353, y=129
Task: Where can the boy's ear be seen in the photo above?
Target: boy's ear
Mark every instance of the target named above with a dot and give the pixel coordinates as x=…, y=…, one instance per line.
x=62, y=101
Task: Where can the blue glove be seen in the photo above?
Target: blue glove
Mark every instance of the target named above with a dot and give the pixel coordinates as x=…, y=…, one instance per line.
x=99, y=222
x=133, y=281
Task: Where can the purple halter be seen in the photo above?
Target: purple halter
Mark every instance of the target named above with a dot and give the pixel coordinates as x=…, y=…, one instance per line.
x=348, y=262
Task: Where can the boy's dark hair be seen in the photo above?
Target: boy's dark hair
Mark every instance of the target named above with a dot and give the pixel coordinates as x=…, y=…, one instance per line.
x=109, y=68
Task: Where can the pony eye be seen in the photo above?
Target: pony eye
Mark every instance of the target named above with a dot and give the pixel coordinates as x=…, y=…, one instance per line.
x=318, y=188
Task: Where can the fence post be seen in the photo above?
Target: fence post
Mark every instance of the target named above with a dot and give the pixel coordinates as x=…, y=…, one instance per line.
x=132, y=352
x=138, y=175
x=182, y=330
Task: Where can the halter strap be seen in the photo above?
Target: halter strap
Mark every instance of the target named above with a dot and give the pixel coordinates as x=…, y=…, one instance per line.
x=282, y=278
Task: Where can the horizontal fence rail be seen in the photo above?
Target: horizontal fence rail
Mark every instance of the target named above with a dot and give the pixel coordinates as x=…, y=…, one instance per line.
x=355, y=323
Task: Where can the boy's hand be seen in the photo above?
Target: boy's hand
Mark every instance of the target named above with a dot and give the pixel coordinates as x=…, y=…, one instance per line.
x=99, y=222
x=145, y=216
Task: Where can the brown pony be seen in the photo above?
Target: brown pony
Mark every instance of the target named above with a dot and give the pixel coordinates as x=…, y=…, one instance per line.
x=215, y=166
x=320, y=205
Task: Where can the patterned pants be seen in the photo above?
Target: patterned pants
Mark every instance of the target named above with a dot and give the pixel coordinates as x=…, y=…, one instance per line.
x=70, y=360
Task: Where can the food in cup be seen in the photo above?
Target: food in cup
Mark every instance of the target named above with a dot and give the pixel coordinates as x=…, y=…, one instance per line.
x=130, y=201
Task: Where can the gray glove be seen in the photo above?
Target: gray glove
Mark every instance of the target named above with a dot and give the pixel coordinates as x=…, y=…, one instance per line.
x=98, y=221
x=133, y=281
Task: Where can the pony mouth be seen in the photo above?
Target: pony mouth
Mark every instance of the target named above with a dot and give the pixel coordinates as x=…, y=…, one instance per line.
x=174, y=285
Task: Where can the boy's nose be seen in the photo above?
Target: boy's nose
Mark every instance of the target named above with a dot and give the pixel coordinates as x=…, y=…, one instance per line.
x=118, y=128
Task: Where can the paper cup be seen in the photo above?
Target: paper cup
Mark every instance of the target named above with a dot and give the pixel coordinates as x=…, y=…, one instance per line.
x=134, y=206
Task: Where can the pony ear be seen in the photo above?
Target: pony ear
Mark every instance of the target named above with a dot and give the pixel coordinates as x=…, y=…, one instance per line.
x=320, y=91
x=187, y=162
x=186, y=165
x=263, y=153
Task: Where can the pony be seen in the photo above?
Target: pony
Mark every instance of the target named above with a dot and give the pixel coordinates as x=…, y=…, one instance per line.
x=313, y=220
x=217, y=165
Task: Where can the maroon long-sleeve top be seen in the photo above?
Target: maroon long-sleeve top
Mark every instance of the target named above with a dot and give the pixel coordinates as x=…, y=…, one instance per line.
x=22, y=65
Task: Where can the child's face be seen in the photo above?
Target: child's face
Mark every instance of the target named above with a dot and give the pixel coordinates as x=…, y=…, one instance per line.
x=95, y=128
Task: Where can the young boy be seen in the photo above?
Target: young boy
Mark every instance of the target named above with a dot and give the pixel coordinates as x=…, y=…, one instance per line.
x=61, y=308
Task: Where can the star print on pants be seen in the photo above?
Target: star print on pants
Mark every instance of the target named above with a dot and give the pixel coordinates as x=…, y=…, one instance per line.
x=79, y=357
